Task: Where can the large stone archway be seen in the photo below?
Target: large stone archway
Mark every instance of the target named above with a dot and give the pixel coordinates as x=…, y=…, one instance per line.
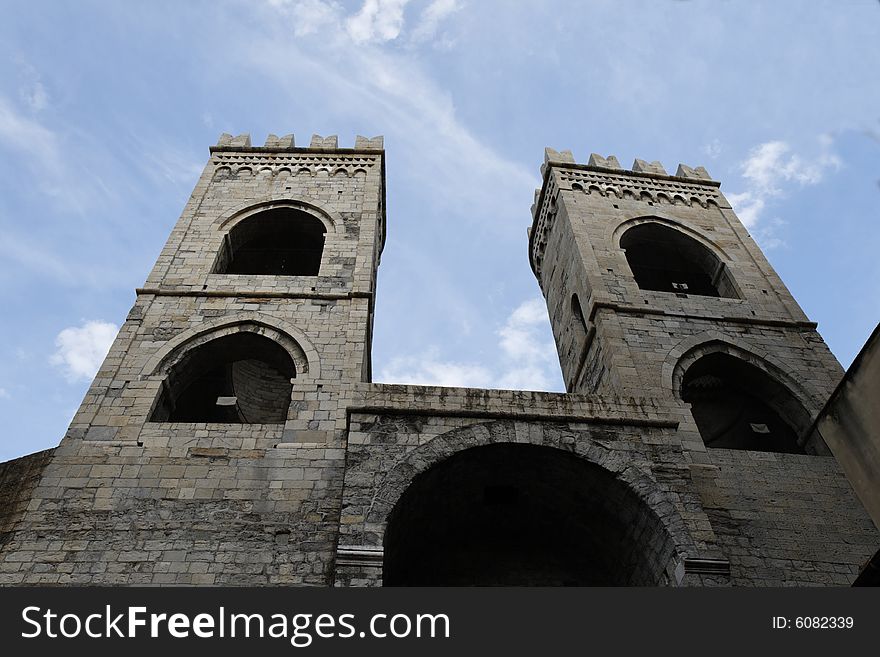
x=508, y=503
x=511, y=514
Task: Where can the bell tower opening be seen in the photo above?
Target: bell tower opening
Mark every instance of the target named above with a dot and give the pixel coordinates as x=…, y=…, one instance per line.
x=243, y=378
x=512, y=514
x=738, y=406
x=279, y=241
x=666, y=260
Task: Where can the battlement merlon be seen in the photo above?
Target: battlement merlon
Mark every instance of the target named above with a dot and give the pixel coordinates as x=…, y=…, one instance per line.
x=274, y=143
x=605, y=176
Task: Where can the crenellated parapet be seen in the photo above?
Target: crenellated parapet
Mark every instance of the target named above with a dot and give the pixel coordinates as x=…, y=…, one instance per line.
x=603, y=176
x=318, y=143
x=279, y=156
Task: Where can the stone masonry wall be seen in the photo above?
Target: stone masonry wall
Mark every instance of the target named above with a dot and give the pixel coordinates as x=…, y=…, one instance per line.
x=18, y=478
x=194, y=505
x=785, y=519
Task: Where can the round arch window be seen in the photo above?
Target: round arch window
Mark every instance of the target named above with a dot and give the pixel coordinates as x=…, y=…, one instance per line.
x=279, y=241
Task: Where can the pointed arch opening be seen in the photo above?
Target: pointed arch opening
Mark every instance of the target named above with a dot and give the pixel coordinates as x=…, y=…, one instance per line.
x=737, y=405
x=664, y=259
x=513, y=514
x=242, y=378
x=281, y=241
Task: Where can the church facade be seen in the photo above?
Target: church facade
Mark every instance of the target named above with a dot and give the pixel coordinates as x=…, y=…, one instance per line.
x=233, y=435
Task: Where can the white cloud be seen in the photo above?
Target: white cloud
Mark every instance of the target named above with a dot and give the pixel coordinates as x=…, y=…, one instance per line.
x=768, y=234
x=32, y=91
x=518, y=339
x=36, y=96
x=431, y=18
x=770, y=165
x=28, y=137
x=309, y=16
x=81, y=349
x=38, y=258
x=61, y=173
x=4, y=394
x=528, y=355
x=377, y=21
x=748, y=207
x=164, y=163
x=428, y=369
x=770, y=169
x=526, y=358
x=712, y=149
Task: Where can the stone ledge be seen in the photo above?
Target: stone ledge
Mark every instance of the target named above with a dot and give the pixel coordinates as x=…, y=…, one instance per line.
x=360, y=555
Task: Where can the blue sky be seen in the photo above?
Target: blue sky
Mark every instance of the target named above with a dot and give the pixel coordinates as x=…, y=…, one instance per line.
x=107, y=110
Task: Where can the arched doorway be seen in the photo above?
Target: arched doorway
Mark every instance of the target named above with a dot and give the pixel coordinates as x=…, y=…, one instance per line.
x=522, y=515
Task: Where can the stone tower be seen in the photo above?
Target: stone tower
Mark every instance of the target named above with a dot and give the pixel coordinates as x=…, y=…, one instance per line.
x=278, y=246
x=233, y=435
x=220, y=408
x=646, y=273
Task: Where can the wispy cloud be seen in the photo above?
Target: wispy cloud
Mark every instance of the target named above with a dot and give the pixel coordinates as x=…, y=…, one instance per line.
x=309, y=16
x=771, y=165
x=769, y=171
x=712, y=148
x=430, y=369
x=377, y=21
x=528, y=356
x=79, y=350
x=29, y=138
x=4, y=394
x=36, y=257
x=61, y=173
x=165, y=163
x=431, y=18
x=36, y=96
x=525, y=358
x=32, y=90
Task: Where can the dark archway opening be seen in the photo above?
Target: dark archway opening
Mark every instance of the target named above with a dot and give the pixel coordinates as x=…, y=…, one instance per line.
x=280, y=242
x=522, y=515
x=739, y=406
x=666, y=260
x=240, y=378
